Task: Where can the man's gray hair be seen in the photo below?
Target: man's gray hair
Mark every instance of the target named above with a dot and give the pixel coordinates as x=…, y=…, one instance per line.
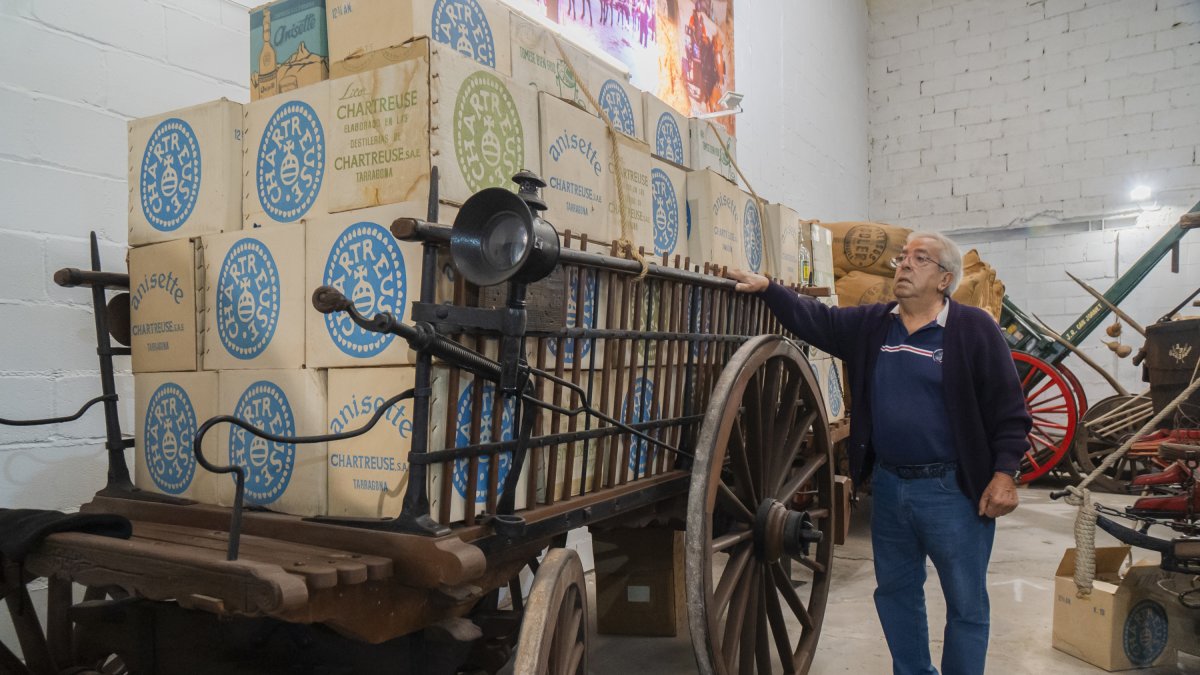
x=951, y=256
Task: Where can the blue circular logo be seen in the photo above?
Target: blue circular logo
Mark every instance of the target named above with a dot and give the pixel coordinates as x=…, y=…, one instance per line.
x=247, y=299
x=752, y=238
x=640, y=407
x=834, y=388
x=615, y=103
x=462, y=437
x=1145, y=634
x=591, y=288
x=170, y=178
x=666, y=212
x=167, y=435
x=268, y=464
x=668, y=142
x=291, y=162
x=366, y=265
x=463, y=26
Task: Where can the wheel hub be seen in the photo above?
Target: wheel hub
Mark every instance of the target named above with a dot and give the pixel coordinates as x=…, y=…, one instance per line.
x=780, y=531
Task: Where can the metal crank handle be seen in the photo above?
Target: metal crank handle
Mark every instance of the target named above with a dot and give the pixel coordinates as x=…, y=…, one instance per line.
x=1059, y=494
x=422, y=337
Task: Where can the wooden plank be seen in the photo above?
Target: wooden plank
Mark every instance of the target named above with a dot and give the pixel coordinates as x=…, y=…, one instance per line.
x=158, y=571
x=349, y=567
x=419, y=560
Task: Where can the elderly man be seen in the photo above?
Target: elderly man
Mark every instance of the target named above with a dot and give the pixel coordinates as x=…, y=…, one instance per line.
x=938, y=416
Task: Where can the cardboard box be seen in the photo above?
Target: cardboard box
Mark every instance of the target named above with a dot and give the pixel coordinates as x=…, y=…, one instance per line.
x=429, y=106
x=1126, y=622
x=368, y=474
x=254, y=299
x=635, y=190
x=666, y=131
x=752, y=254
x=169, y=408
x=843, y=491
x=285, y=477
x=537, y=61
x=450, y=411
x=620, y=102
x=356, y=253
x=640, y=582
x=284, y=168
x=822, y=256
x=185, y=173
x=576, y=159
x=831, y=382
x=288, y=47
x=166, y=306
x=706, y=149
x=666, y=231
x=477, y=29
x=782, y=231
x=716, y=208
x=806, y=257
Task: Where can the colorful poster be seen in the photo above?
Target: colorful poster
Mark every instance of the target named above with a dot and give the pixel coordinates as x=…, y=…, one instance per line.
x=679, y=50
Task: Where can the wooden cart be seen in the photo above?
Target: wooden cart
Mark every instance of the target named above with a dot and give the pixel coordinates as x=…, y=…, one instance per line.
x=731, y=444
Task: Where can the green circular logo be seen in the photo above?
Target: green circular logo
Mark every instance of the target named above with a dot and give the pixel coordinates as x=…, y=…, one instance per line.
x=488, y=137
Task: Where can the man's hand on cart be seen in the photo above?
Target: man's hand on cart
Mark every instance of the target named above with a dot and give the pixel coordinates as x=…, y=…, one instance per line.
x=748, y=282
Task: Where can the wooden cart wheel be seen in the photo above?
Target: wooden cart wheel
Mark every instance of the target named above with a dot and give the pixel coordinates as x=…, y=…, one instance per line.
x=1068, y=464
x=763, y=453
x=1103, y=429
x=554, y=632
x=1051, y=404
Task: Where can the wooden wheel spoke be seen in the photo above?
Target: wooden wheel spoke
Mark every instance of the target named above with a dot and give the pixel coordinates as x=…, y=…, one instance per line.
x=730, y=540
x=729, y=578
x=741, y=471
x=810, y=564
x=1033, y=397
x=802, y=476
x=733, y=506
x=779, y=631
x=785, y=459
x=748, y=639
x=784, y=586
x=736, y=618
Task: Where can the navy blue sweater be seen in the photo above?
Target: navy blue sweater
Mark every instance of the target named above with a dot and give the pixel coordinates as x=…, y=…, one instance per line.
x=984, y=402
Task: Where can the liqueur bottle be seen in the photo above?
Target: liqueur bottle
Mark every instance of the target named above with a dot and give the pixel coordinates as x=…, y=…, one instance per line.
x=267, y=65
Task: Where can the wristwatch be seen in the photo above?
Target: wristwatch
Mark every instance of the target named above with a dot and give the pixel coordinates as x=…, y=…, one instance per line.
x=1016, y=475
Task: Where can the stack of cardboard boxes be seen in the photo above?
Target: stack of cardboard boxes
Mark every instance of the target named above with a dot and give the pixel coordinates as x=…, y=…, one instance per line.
x=237, y=212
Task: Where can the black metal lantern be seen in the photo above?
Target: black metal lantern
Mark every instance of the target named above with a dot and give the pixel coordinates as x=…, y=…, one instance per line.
x=498, y=236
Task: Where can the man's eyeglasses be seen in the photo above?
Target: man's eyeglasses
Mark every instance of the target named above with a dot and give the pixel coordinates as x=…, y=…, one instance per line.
x=919, y=260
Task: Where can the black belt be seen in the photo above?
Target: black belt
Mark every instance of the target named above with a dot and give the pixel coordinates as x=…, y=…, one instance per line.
x=914, y=471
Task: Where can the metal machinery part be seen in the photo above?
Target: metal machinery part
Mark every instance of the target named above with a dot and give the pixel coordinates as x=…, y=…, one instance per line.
x=761, y=494
x=1104, y=427
x=1052, y=405
x=554, y=631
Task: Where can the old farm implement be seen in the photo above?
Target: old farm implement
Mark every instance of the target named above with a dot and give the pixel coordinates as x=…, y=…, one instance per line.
x=703, y=415
x=1054, y=395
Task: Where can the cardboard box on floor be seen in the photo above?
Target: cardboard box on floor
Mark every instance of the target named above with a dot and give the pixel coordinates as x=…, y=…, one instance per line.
x=1121, y=624
x=639, y=582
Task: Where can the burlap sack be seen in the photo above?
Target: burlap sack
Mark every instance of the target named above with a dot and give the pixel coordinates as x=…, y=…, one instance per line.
x=979, y=286
x=866, y=247
x=860, y=288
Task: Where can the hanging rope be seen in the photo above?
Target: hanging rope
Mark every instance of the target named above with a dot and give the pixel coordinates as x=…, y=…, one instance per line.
x=1079, y=495
x=625, y=243
x=758, y=201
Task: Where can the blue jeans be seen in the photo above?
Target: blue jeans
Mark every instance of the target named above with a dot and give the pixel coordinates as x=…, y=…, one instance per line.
x=930, y=517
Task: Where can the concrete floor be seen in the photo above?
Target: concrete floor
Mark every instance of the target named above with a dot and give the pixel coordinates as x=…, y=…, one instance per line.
x=1029, y=544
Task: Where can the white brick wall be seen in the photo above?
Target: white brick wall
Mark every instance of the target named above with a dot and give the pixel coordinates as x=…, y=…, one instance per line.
x=1059, y=108
x=74, y=73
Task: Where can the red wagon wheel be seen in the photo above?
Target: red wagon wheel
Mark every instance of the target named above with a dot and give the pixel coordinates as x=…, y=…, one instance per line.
x=1051, y=403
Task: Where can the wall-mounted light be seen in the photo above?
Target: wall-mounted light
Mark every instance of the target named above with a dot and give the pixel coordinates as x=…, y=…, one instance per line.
x=1141, y=193
x=731, y=101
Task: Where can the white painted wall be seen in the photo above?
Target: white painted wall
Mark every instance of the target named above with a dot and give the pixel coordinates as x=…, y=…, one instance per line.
x=993, y=116
x=802, y=139
x=74, y=72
